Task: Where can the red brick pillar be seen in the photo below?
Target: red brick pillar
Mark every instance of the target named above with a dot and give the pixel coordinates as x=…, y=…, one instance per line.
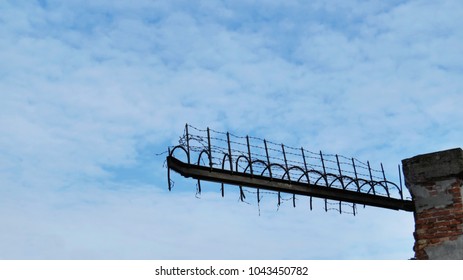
x=435, y=183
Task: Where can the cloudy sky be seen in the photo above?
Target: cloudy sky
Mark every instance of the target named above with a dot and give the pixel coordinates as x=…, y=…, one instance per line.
x=91, y=91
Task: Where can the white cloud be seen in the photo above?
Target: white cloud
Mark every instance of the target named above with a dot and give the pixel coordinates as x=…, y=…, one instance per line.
x=91, y=91
x=139, y=223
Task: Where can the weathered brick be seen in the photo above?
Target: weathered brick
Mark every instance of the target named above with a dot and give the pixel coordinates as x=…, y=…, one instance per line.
x=437, y=178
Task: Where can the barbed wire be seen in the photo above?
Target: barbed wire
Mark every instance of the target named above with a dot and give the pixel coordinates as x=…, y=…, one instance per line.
x=362, y=164
x=203, y=145
x=259, y=156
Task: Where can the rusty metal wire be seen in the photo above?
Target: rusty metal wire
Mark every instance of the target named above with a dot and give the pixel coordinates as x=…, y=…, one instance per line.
x=258, y=156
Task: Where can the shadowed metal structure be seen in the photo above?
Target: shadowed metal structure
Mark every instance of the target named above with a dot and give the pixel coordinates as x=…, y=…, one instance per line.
x=260, y=164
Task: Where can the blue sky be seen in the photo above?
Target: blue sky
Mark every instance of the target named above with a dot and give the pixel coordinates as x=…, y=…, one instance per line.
x=92, y=90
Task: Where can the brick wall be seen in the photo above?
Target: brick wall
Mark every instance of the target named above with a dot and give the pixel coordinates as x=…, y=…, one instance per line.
x=438, y=225
x=435, y=183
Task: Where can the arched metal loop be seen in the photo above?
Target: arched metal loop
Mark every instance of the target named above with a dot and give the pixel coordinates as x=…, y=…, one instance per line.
x=260, y=159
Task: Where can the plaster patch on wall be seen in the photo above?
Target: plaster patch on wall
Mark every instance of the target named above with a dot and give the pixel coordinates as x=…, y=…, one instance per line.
x=448, y=250
x=425, y=200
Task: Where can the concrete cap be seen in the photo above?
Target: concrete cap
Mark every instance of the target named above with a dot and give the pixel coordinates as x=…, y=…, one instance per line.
x=432, y=166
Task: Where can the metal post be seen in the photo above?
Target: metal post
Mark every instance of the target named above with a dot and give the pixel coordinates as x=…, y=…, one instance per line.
x=385, y=181
x=371, y=177
x=307, y=173
x=286, y=162
x=400, y=182
x=168, y=173
x=249, y=155
x=340, y=173
x=326, y=179
x=356, y=176
x=209, y=147
x=268, y=159
x=287, y=172
x=229, y=152
x=305, y=166
x=187, y=143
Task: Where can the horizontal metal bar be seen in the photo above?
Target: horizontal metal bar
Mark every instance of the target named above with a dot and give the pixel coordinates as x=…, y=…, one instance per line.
x=280, y=185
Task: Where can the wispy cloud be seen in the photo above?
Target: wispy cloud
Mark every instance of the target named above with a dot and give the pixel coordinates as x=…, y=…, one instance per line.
x=91, y=91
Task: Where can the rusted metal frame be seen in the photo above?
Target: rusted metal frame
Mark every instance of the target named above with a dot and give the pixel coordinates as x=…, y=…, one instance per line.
x=371, y=177
x=230, y=160
x=268, y=165
x=287, y=171
x=268, y=159
x=171, y=153
x=187, y=143
x=340, y=180
x=168, y=173
x=242, y=195
x=230, y=152
x=356, y=175
x=325, y=177
x=199, y=164
x=222, y=188
x=281, y=185
x=249, y=155
x=305, y=165
x=307, y=173
x=385, y=181
x=400, y=180
x=356, y=181
x=246, y=169
x=209, y=147
x=250, y=168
